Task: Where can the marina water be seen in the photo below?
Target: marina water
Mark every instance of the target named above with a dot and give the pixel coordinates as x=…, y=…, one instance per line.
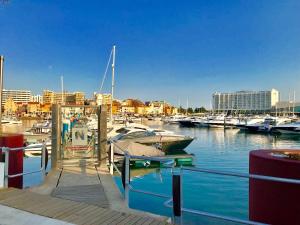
x=225, y=150
x=219, y=149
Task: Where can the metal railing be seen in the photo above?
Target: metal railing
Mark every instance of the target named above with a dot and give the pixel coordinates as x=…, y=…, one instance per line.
x=42, y=170
x=170, y=203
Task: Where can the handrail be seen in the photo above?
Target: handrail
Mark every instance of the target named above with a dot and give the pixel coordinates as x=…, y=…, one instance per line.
x=244, y=175
x=194, y=169
x=6, y=150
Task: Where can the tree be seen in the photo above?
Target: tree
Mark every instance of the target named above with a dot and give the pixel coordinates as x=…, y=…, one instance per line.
x=190, y=110
x=181, y=110
x=200, y=110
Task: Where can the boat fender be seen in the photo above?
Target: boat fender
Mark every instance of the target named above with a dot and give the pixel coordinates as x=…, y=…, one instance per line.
x=147, y=163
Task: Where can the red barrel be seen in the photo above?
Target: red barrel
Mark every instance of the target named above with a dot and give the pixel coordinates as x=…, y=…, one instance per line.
x=15, y=157
x=274, y=202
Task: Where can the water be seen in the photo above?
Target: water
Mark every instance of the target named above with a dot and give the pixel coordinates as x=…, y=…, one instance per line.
x=226, y=150
x=214, y=149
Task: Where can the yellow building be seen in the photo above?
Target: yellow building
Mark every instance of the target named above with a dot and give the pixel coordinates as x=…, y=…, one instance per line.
x=103, y=99
x=79, y=98
x=48, y=97
x=33, y=108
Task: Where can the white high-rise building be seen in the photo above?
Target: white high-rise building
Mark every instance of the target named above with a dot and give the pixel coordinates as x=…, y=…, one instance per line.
x=245, y=100
x=22, y=96
x=36, y=98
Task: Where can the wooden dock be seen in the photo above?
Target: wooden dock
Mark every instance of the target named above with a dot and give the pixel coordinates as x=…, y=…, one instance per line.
x=77, y=197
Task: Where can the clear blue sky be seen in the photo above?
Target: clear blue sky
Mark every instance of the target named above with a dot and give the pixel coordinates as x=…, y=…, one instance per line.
x=165, y=49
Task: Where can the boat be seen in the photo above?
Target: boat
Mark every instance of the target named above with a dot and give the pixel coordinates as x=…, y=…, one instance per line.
x=174, y=119
x=44, y=127
x=200, y=122
x=167, y=142
x=187, y=122
x=290, y=128
x=249, y=121
x=34, y=149
x=267, y=124
x=11, y=121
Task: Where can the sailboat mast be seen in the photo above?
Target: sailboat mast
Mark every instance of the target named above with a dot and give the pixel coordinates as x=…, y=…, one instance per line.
x=187, y=105
x=294, y=102
x=112, y=83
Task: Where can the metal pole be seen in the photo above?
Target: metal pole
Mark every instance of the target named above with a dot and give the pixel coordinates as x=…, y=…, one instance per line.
x=111, y=158
x=127, y=178
x=1, y=88
x=112, y=83
x=43, y=162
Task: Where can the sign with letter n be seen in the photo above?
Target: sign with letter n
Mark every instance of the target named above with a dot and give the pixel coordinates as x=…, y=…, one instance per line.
x=79, y=136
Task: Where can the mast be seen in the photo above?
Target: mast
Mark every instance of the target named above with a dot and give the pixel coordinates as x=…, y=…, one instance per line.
x=1, y=88
x=289, y=104
x=112, y=83
x=187, y=105
x=62, y=90
x=294, y=102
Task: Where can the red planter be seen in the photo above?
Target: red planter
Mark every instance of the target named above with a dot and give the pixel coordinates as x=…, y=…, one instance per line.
x=274, y=202
x=15, y=157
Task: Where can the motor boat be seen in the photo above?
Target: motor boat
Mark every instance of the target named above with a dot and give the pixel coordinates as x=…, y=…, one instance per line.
x=164, y=140
x=187, y=122
x=267, y=124
x=34, y=149
x=249, y=121
x=174, y=119
x=290, y=128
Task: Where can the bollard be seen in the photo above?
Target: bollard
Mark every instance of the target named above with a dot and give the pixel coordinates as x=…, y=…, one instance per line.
x=13, y=159
x=176, y=194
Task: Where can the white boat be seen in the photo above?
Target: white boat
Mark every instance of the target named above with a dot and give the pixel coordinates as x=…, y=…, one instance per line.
x=166, y=140
x=174, y=119
x=290, y=128
x=267, y=124
x=34, y=149
x=10, y=120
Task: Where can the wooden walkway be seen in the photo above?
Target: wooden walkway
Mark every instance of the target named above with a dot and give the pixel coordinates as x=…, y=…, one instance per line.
x=70, y=211
x=76, y=196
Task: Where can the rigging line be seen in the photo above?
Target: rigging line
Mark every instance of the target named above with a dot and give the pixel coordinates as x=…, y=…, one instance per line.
x=104, y=76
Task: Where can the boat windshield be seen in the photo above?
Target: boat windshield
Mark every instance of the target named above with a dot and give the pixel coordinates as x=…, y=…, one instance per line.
x=137, y=134
x=122, y=131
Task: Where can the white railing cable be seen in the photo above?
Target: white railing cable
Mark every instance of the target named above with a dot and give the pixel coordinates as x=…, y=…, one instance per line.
x=7, y=150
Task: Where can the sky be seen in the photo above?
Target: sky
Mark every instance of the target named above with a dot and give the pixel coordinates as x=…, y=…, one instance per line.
x=168, y=50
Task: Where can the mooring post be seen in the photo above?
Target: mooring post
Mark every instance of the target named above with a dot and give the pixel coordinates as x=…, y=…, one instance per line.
x=102, y=133
x=56, y=135
x=176, y=193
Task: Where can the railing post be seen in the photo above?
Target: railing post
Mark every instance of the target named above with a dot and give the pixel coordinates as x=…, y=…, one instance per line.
x=112, y=158
x=126, y=191
x=6, y=150
x=43, y=161
x=176, y=194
